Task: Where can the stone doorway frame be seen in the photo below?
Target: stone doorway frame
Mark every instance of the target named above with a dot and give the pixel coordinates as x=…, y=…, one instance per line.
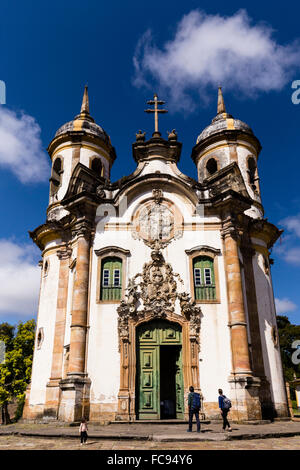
x=128, y=363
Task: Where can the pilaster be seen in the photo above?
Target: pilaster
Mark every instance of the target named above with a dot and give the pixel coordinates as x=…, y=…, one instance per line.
x=244, y=385
x=53, y=389
x=74, y=401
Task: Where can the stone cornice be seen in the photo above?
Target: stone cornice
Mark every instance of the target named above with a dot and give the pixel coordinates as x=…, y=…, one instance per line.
x=264, y=230
x=203, y=248
x=78, y=138
x=46, y=233
x=111, y=251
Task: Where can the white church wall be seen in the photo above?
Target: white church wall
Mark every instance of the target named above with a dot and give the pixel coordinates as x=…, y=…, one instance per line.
x=215, y=352
x=103, y=363
x=267, y=320
x=157, y=165
x=46, y=320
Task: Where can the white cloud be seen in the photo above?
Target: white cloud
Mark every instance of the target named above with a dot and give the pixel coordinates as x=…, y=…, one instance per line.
x=19, y=278
x=292, y=255
x=21, y=147
x=284, y=306
x=211, y=50
x=292, y=224
x=289, y=250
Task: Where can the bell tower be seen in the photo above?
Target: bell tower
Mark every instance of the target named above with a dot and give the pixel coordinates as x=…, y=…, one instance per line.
x=227, y=140
x=78, y=141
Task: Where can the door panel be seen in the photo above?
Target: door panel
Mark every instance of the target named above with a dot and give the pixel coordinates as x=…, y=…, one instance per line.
x=179, y=387
x=149, y=383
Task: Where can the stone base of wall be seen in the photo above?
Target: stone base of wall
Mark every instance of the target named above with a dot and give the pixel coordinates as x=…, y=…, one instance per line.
x=73, y=404
x=103, y=412
x=281, y=410
x=33, y=412
x=74, y=399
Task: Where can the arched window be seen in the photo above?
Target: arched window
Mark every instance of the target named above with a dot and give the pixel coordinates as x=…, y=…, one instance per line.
x=204, y=278
x=111, y=279
x=211, y=166
x=55, y=180
x=97, y=166
x=252, y=172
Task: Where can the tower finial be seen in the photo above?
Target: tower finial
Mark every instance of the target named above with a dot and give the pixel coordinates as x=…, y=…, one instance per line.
x=85, y=108
x=221, y=104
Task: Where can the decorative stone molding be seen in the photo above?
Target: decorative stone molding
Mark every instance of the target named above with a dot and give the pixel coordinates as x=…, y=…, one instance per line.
x=112, y=251
x=83, y=229
x=140, y=136
x=154, y=296
x=209, y=250
x=156, y=293
x=172, y=135
x=157, y=220
x=64, y=253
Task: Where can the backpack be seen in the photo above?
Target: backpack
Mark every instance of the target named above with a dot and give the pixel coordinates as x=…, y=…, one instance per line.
x=196, y=402
x=226, y=403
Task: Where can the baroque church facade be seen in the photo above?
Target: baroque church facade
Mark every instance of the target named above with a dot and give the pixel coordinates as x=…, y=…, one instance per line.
x=155, y=282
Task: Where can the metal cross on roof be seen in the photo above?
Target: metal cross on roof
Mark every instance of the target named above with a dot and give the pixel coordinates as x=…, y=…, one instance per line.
x=156, y=110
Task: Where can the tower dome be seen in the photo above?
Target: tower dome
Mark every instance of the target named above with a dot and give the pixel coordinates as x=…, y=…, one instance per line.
x=84, y=122
x=223, y=122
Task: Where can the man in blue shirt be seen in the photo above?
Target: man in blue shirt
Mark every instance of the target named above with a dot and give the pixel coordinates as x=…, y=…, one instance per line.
x=193, y=411
x=224, y=411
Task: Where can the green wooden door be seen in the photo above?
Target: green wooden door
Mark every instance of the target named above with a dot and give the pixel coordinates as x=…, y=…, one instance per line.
x=151, y=337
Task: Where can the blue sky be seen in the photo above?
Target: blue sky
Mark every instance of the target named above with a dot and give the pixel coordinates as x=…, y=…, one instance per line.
x=125, y=51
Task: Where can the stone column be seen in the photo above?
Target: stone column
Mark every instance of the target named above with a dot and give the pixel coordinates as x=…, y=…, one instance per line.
x=79, y=309
x=244, y=386
x=237, y=318
x=75, y=387
x=53, y=390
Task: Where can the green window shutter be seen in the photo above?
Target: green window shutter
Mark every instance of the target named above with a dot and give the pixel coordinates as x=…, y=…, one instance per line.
x=204, y=278
x=111, y=279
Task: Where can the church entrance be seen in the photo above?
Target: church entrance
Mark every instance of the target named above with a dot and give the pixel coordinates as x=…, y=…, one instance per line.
x=159, y=379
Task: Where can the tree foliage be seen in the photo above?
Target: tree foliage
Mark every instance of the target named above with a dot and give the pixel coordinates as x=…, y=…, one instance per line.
x=288, y=333
x=15, y=371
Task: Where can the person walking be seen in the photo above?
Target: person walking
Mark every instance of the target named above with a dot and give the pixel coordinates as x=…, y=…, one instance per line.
x=83, y=429
x=224, y=405
x=194, y=408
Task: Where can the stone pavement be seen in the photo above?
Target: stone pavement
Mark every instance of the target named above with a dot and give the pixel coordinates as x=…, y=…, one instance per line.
x=16, y=443
x=155, y=432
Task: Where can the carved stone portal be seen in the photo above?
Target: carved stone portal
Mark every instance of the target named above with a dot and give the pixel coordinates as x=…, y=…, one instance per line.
x=155, y=293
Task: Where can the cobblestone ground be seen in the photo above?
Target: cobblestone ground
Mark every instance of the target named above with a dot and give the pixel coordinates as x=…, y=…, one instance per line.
x=33, y=443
